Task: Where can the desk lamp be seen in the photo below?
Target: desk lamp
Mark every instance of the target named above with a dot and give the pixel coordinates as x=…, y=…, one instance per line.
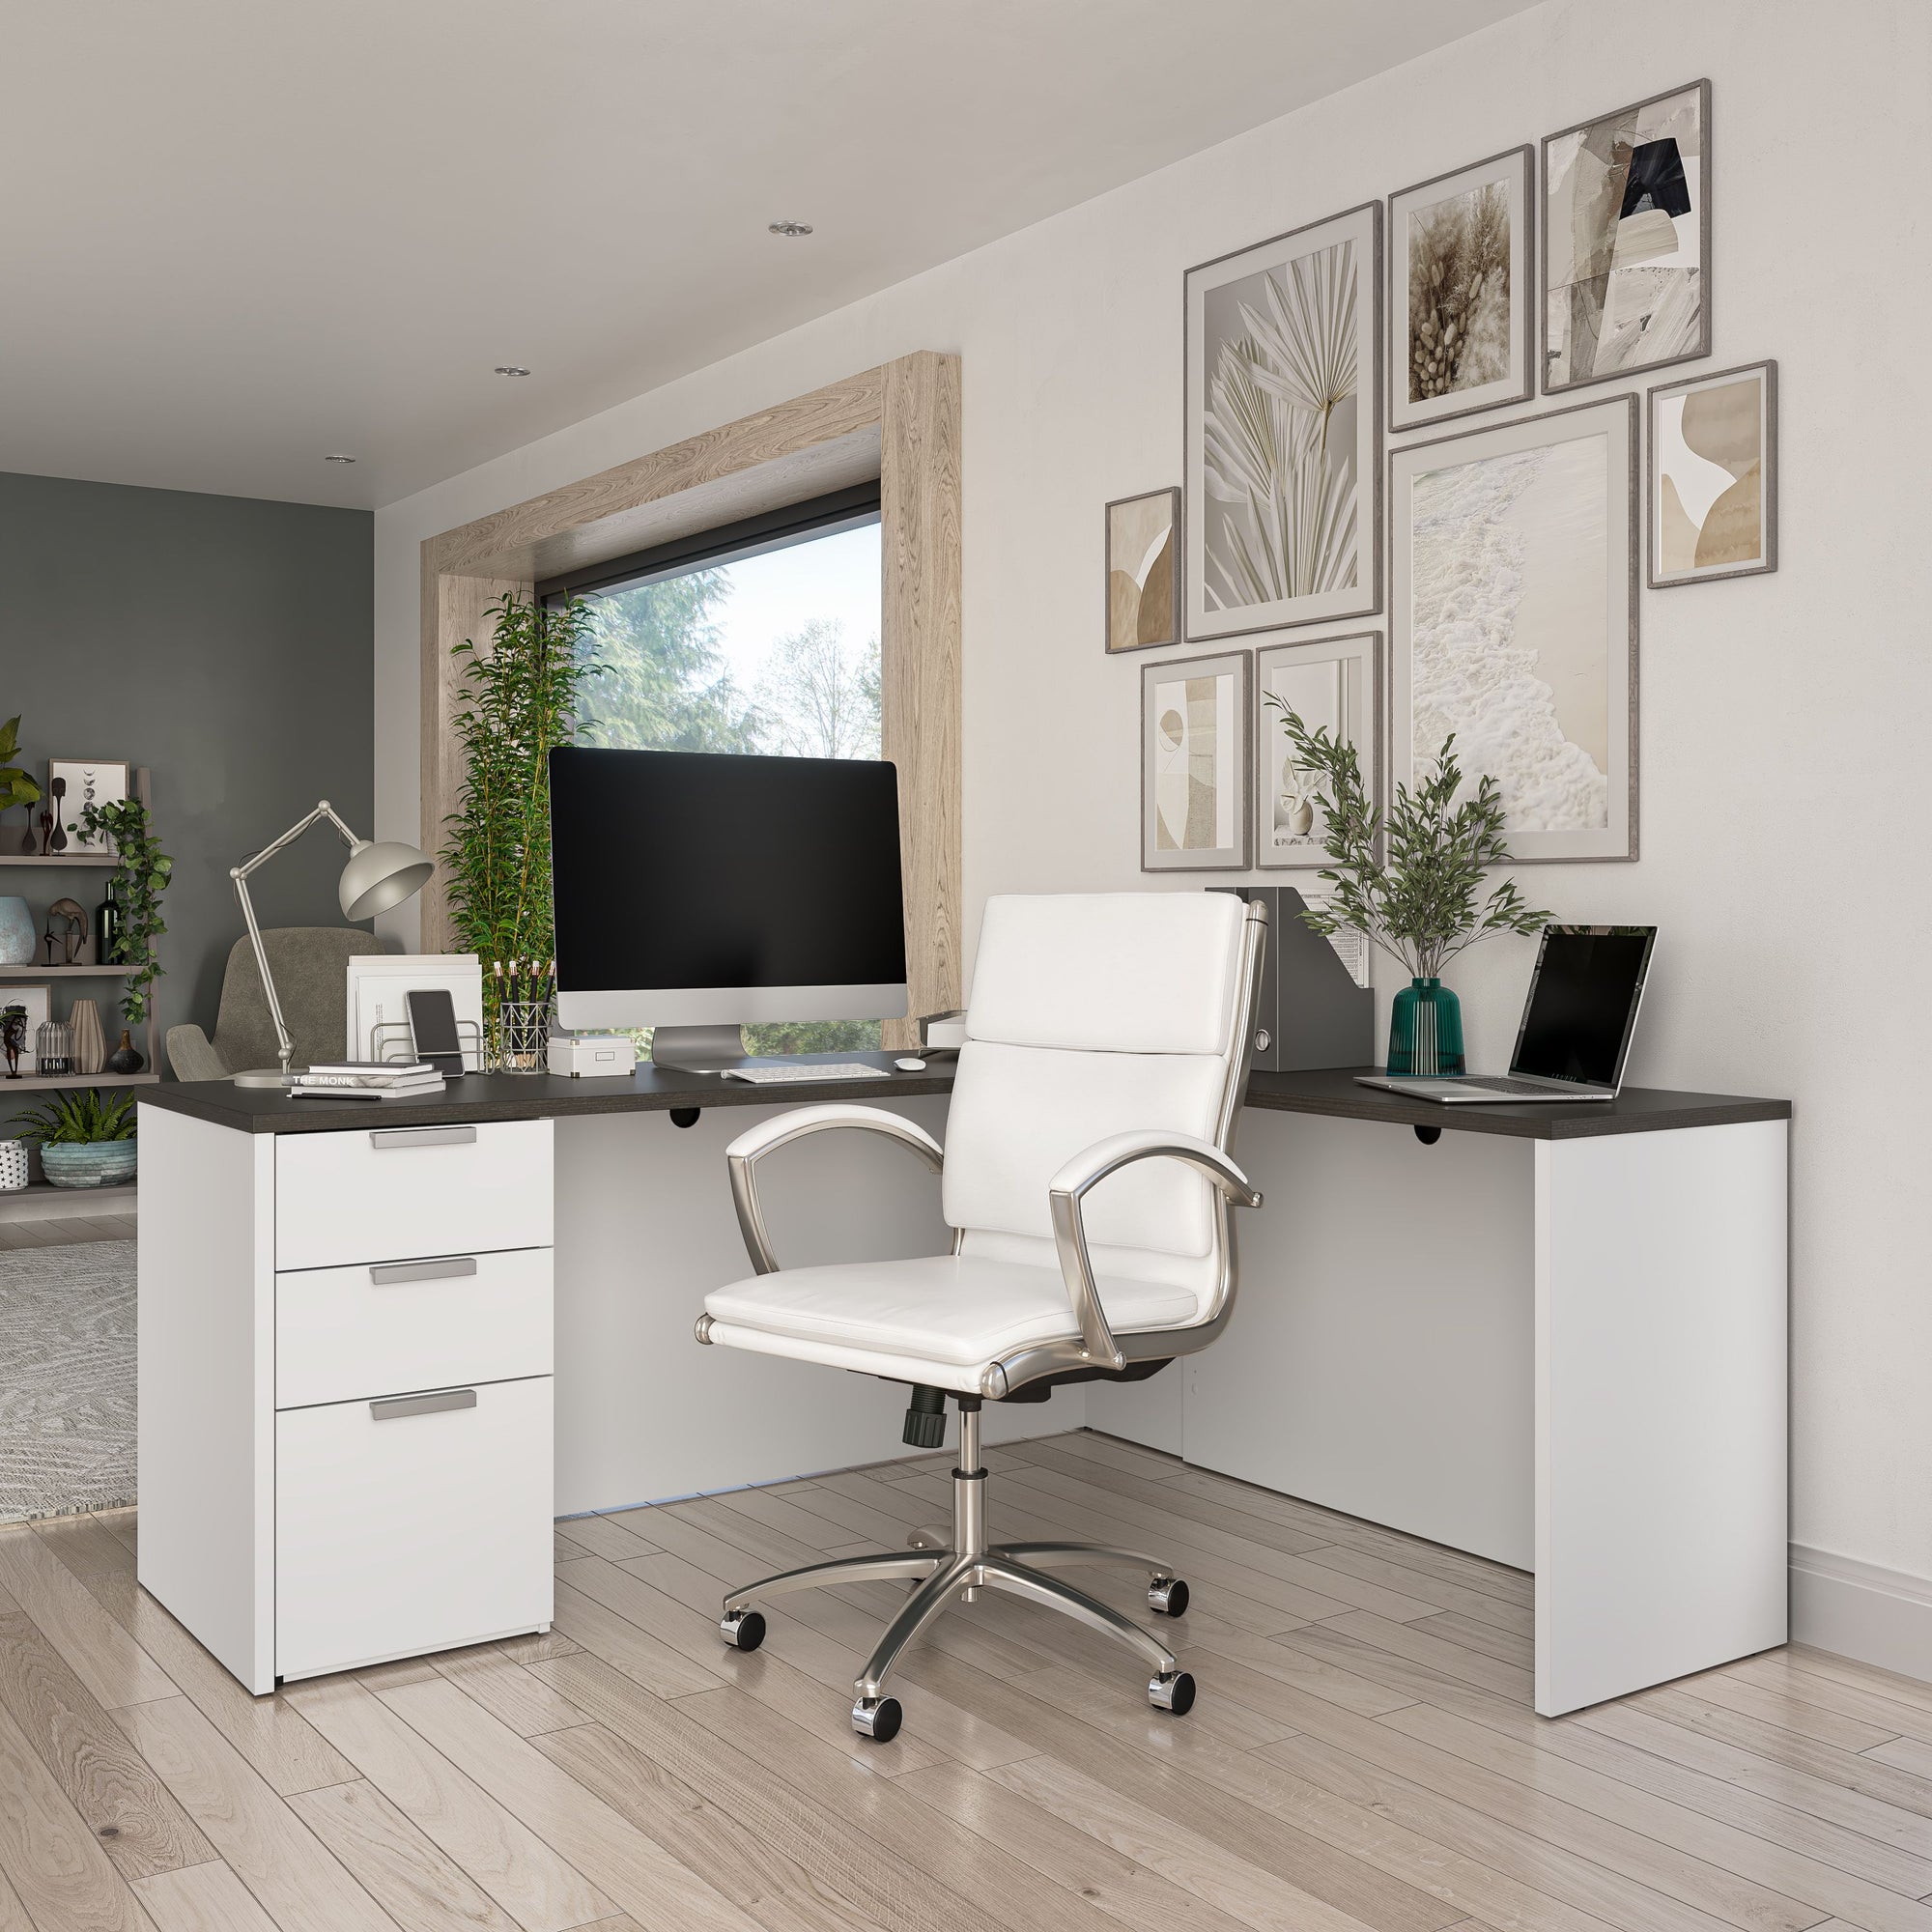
x=377, y=877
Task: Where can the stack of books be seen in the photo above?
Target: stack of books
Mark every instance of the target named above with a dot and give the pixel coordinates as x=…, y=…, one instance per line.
x=368, y=1080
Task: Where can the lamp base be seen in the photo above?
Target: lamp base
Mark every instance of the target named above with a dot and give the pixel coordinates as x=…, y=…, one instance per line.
x=263, y=1076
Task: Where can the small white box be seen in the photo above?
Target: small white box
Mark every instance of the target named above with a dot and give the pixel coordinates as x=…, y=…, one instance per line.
x=584, y=1055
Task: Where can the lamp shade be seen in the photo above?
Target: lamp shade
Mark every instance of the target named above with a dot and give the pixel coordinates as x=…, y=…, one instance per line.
x=381, y=875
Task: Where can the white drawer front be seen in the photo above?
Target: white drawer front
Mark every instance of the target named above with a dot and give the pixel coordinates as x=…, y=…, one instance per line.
x=398, y=1533
x=386, y=1327
x=379, y=1194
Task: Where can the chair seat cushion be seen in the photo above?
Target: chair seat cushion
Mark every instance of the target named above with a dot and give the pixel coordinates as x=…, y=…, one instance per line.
x=955, y=1309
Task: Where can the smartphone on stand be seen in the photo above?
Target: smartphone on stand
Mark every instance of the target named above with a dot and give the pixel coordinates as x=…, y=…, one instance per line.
x=433, y=1030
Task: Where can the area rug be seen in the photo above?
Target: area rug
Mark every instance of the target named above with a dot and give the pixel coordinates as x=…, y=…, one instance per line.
x=67, y=1378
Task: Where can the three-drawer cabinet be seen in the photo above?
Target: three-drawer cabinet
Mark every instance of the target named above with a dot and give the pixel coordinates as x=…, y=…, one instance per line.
x=368, y=1321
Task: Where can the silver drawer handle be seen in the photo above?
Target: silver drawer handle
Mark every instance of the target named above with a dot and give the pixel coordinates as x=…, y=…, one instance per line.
x=409, y=1137
x=391, y=1406
x=443, y=1270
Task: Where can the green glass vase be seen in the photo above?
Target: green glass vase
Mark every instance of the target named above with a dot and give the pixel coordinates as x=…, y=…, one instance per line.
x=1426, y=1030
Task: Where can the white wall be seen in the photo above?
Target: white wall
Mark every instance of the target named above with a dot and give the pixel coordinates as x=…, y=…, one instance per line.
x=1782, y=717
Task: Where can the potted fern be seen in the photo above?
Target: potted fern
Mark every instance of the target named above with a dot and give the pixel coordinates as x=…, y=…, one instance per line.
x=86, y=1139
x=1423, y=904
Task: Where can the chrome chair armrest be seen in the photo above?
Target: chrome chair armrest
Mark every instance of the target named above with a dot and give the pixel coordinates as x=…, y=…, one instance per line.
x=767, y=1136
x=1068, y=1189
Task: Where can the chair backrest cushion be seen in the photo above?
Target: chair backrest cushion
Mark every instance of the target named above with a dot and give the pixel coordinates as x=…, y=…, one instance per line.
x=1094, y=1015
x=311, y=968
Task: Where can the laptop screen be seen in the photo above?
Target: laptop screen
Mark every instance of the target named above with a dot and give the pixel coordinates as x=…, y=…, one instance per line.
x=1582, y=1002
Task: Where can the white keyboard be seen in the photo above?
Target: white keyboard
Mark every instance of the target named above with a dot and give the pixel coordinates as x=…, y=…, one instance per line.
x=805, y=1069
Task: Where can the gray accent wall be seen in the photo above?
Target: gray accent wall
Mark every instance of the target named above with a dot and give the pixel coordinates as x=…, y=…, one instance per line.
x=225, y=643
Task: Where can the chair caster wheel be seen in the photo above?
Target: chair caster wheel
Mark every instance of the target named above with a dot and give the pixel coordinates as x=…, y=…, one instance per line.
x=877, y=1719
x=1172, y=1691
x=744, y=1629
x=1166, y=1596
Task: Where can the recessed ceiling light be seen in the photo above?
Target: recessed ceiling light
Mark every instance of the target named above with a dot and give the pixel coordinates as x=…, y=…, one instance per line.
x=338, y=459
x=791, y=229
x=510, y=369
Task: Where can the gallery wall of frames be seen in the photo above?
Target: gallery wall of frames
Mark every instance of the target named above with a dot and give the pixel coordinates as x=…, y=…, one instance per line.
x=1366, y=542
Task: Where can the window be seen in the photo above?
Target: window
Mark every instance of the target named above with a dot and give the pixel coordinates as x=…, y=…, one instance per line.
x=762, y=638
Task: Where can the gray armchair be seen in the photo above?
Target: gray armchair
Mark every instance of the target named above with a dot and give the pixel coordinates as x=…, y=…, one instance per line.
x=311, y=968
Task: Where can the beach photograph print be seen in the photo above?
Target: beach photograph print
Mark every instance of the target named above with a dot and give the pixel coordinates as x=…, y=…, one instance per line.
x=1194, y=765
x=1333, y=685
x=1714, y=477
x=1284, y=389
x=1142, y=571
x=1627, y=240
x=1461, y=282
x=1514, y=622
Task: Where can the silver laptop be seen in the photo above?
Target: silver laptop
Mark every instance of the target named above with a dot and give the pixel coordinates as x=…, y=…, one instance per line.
x=1576, y=1023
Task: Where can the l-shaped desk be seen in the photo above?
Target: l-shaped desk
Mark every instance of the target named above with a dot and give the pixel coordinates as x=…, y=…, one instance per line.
x=381, y=1344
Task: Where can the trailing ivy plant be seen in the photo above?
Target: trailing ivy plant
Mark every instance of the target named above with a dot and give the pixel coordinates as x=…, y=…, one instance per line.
x=140, y=881
x=520, y=699
x=1423, y=905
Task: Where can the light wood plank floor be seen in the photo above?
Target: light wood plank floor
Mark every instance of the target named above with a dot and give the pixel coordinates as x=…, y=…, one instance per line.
x=59, y=1232
x=1363, y=1754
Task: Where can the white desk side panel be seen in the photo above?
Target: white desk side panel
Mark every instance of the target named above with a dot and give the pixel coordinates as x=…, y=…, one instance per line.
x=1660, y=1433
x=1379, y=1356
x=205, y=1361
x=645, y=1229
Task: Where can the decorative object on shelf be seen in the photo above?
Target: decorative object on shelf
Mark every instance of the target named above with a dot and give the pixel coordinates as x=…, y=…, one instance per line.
x=13, y=1036
x=17, y=933
x=17, y=1165
x=47, y=832
x=1463, y=291
x=1284, y=359
x=1421, y=906
x=107, y=929
x=1144, y=571
x=53, y=1049
x=1513, y=621
x=140, y=879
x=518, y=699
x=1195, y=742
x=86, y=1139
x=89, y=1043
x=1712, y=478
x=1627, y=240
x=375, y=879
x=17, y=786
x=90, y=785
x=1333, y=684
x=125, y=1057
x=58, y=789
x=66, y=932
x=34, y=1006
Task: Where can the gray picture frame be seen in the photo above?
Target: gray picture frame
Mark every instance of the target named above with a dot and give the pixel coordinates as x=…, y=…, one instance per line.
x=1112, y=650
x=1766, y=370
x=1618, y=842
x=1526, y=299
x=1365, y=598
x=1232, y=857
x=1366, y=648
x=1702, y=90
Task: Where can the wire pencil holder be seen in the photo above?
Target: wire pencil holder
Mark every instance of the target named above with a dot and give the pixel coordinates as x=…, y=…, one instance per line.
x=523, y=1036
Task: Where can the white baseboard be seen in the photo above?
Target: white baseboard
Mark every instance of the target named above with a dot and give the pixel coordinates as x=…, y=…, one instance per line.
x=1862, y=1610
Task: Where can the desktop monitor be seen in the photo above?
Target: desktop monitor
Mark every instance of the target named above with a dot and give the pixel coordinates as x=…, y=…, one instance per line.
x=696, y=890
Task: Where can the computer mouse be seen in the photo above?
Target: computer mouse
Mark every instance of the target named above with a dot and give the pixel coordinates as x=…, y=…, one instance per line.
x=910, y=1066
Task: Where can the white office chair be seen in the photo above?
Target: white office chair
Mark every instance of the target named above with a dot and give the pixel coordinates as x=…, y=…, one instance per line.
x=1088, y=1180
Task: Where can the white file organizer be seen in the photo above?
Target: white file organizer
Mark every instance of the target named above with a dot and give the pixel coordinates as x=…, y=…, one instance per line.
x=379, y=1017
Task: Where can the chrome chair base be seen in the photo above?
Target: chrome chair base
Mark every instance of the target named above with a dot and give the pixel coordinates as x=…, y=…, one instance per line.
x=961, y=1566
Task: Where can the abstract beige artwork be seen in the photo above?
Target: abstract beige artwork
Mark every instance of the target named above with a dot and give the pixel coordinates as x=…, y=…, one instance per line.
x=1194, y=765
x=1714, y=477
x=1142, y=571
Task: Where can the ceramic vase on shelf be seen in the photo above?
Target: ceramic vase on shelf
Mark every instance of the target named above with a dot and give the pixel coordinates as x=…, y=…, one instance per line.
x=125, y=1057
x=1426, y=1030
x=89, y=1046
x=18, y=940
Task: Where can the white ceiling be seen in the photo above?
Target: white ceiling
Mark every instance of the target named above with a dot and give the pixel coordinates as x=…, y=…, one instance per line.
x=235, y=234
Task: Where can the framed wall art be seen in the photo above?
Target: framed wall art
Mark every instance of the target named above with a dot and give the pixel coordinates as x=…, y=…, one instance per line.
x=1329, y=683
x=1711, y=500
x=1626, y=241
x=1283, y=512
x=1513, y=621
x=1144, y=571
x=86, y=781
x=1195, y=734
x=1463, y=291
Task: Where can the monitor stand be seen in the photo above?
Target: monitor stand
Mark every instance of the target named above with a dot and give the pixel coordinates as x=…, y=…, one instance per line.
x=698, y=1049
